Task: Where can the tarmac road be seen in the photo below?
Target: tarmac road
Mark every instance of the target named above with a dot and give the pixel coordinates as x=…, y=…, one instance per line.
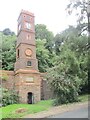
x=77, y=113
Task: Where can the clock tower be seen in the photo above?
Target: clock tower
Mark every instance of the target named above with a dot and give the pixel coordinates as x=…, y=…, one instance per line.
x=26, y=48
x=27, y=76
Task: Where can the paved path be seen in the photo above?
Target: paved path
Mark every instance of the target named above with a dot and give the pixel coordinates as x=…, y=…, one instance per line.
x=57, y=110
x=77, y=113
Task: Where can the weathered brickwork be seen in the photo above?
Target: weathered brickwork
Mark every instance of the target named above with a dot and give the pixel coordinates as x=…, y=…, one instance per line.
x=46, y=92
x=28, y=81
x=39, y=87
x=26, y=78
x=7, y=79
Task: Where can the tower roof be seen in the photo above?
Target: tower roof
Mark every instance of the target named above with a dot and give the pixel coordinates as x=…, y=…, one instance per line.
x=26, y=12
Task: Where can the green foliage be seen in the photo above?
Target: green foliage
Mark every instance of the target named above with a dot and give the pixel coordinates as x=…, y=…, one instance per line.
x=68, y=77
x=84, y=97
x=0, y=50
x=8, y=52
x=7, y=31
x=79, y=7
x=65, y=36
x=10, y=110
x=43, y=33
x=43, y=55
x=64, y=58
x=64, y=79
x=9, y=97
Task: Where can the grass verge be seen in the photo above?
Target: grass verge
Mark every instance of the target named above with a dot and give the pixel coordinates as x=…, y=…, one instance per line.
x=83, y=98
x=20, y=110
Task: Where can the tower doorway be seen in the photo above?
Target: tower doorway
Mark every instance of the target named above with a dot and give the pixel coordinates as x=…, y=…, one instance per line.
x=30, y=98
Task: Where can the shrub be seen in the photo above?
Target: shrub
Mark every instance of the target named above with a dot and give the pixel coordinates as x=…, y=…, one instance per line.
x=9, y=97
x=64, y=79
x=66, y=90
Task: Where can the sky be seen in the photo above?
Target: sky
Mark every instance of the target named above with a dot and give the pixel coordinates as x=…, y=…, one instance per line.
x=49, y=12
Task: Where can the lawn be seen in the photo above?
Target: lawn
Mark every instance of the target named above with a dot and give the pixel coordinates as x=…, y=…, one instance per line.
x=19, y=110
x=83, y=98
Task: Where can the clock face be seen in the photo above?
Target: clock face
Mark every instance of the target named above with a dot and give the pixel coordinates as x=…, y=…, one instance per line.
x=28, y=25
x=28, y=52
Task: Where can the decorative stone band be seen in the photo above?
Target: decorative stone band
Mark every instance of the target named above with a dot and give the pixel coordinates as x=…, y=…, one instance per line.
x=27, y=71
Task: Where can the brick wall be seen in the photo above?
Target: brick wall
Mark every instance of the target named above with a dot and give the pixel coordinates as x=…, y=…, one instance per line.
x=8, y=83
x=46, y=92
x=28, y=81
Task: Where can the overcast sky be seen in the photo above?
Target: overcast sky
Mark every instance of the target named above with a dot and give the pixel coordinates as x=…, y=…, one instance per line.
x=49, y=12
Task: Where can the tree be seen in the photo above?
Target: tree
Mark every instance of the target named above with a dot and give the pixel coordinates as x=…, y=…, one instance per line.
x=58, y=39
x=43, y=56
x=80, y=8
x=43, y=33
x=79, y=45
x=7, y=31
x=83, y=25
x=9, y=97
x=8, y=49
x=8, y=52
x=62, y=37
x=63, y=78
x=68, y=77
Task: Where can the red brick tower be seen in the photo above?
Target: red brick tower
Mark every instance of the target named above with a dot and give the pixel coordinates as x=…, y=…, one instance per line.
x=26, y=48
x=27, y=77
